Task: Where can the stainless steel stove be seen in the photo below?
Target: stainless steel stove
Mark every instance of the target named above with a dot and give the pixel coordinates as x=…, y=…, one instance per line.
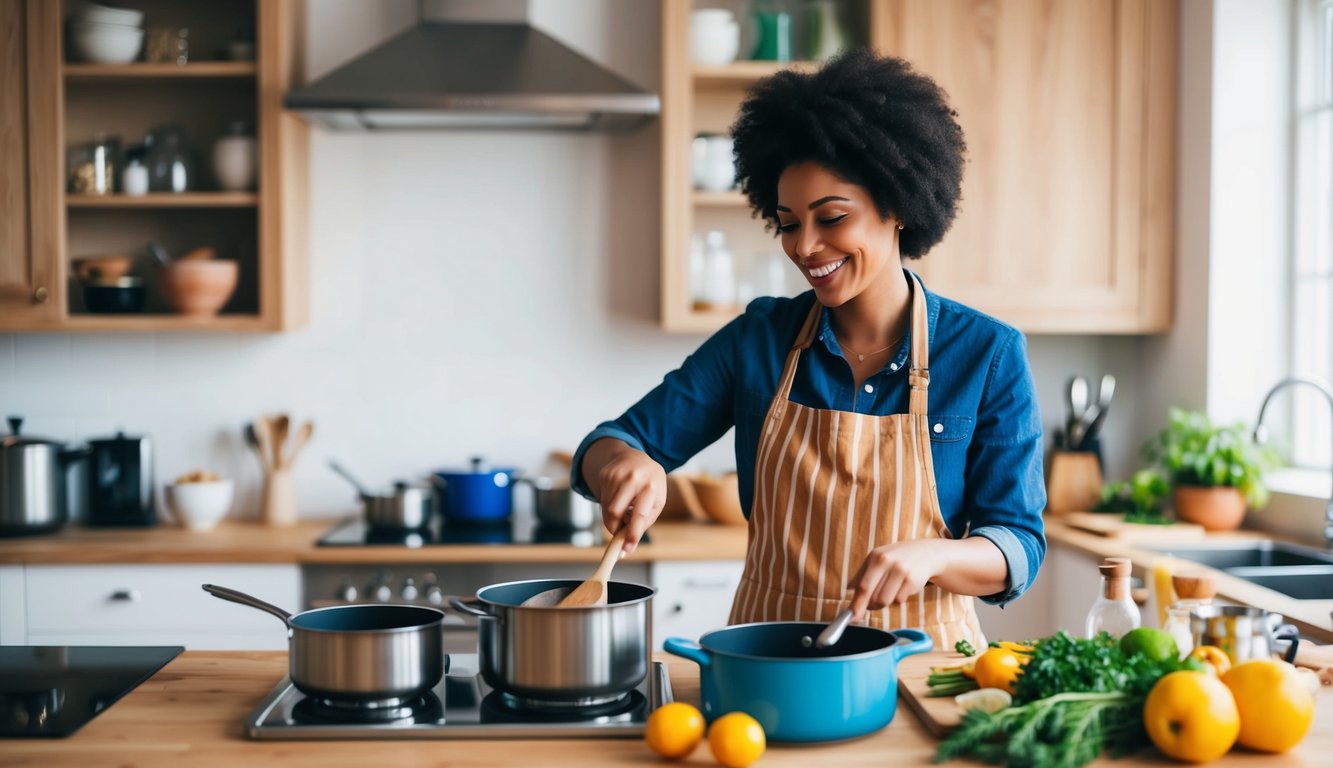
x=462, y=706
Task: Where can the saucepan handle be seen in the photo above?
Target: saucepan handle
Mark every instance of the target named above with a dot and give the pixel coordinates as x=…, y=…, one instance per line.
x=458, y=604
x=688, y=649
x=917, y=642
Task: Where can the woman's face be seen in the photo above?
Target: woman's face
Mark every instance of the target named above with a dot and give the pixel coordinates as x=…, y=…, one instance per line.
x=832, y=231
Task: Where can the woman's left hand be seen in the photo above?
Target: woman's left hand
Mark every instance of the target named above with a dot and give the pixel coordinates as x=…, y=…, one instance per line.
x=894, y=572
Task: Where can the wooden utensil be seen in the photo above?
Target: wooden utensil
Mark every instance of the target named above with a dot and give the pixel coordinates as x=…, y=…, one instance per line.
x=302, y=437
x=264, y=440
x=590, y=592
x=281, y=425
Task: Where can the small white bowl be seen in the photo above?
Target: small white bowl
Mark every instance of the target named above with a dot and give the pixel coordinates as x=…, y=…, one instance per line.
x=105, y=14
x=106, y=43
x=199, y=506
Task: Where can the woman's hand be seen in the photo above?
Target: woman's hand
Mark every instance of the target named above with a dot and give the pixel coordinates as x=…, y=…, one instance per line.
x=630, y=486
x=894, y=572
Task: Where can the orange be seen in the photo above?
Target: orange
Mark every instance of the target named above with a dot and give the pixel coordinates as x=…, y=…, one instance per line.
x=1217, y=659
x=674, y=730
x=998, y=668
x=1276, y=707
x=1191, y=716
x=736, y=739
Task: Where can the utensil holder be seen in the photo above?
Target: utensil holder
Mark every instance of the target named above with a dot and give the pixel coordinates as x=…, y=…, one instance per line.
x=277, y=505
x=1073, y=482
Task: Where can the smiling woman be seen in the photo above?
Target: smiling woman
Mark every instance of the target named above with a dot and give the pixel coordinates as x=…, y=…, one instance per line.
x=860, y=490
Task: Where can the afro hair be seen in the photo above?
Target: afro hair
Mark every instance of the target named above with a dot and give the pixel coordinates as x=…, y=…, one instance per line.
x=871, y=120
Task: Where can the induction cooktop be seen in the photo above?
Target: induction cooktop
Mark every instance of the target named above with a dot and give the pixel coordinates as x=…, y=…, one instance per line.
x=53, y=690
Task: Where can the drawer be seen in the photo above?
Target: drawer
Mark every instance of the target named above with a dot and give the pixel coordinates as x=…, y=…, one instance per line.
x=147, y=600
x=693, y=598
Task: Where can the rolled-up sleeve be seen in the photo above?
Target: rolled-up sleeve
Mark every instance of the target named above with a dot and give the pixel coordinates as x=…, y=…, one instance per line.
x=692, y=407
x=1005, y=490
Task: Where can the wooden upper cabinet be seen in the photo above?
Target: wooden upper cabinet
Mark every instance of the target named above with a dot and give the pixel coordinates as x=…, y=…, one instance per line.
x=1067, y=219
x=28, y=222
x=51, y=102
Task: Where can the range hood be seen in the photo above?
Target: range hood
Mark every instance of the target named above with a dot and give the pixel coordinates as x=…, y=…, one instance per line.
x=440, y=75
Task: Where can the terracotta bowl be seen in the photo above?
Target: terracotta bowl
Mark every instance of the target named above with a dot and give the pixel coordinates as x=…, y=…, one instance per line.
x=199, y=288
x=102, y=270
x=1216, y=509
x=720, y=498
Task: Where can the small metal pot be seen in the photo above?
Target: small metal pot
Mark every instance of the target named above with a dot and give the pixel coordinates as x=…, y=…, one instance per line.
x=1243, y=633
x=33, y=482
x=359, y=652
x=586, y=655
x=556, y=505
x=408, y=507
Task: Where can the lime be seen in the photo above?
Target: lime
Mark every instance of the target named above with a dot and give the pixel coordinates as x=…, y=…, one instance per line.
x=990, y=700
x=1156, y=644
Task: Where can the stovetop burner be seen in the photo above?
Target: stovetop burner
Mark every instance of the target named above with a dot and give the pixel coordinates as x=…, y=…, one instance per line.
x=520, y=529
x=460, y=706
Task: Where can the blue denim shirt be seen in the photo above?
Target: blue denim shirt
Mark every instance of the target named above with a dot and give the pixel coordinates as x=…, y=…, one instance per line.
x=986, y=434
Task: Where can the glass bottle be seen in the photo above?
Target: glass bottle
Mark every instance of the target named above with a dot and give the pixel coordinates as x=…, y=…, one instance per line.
x=1194, y=592
x=170, y=166
x=1114, y=611
x=718, y=289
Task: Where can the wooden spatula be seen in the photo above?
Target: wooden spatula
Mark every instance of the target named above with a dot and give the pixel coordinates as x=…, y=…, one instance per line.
x=593, y=591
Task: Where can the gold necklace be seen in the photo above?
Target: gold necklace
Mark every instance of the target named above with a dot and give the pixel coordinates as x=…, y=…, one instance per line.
x=860, y=358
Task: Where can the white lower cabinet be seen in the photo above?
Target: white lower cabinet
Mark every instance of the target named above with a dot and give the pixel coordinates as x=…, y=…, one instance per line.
x=692, y=597
x=154, y=605
x=1059, y=599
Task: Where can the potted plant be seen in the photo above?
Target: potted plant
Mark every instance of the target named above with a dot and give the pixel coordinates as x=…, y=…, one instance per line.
x=1141, y=498
x=1216, y=472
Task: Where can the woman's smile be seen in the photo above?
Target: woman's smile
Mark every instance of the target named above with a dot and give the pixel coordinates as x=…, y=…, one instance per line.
x=824, y=272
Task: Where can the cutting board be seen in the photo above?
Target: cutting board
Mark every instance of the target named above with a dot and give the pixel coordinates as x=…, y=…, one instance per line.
x=940, y=715
x=1113, y=526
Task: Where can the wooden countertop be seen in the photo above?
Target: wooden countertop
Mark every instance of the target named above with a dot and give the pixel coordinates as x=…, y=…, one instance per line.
x=190, y=713
x=1310, y=616
x=240, y=542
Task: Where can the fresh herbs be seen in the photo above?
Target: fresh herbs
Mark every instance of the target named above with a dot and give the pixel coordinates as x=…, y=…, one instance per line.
x=965, y=648
x=1074, y=699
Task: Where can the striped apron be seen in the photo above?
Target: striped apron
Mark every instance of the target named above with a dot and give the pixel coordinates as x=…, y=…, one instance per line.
x=830, y=486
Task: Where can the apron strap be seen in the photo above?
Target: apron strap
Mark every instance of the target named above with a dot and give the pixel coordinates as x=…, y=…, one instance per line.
x=803, y=341
x=918, y=375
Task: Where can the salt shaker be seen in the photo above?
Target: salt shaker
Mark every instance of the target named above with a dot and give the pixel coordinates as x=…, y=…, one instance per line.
x=1114, y=610
x=134, y=180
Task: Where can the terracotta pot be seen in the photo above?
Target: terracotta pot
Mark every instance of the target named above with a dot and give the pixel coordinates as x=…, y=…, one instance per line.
x=1221, y=508
x=199, y=288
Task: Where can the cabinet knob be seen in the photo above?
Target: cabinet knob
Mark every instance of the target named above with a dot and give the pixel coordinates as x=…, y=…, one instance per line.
x=409, y=591
x=347, y=593
x=126, y=596
x=434, y=595
x=41, y=295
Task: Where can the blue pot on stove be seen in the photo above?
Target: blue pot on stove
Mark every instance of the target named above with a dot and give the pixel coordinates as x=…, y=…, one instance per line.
x=797, y=692
x=480, y=494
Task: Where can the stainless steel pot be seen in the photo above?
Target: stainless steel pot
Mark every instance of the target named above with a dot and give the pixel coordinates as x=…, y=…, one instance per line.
x=583, y=655
x=33, y=482
x=408, y=507
x=559, y=506
x=359, y=652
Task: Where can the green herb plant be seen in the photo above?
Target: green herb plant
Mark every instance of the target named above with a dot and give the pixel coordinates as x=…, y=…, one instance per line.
x=1075, y=699
x=1141, y=498
x=1192, y=450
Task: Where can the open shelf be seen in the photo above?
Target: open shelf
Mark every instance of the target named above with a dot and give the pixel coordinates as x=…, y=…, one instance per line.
x=146, y=70
x=143, y=322
x=166, y=200
x=744, y=72
x=731, y=198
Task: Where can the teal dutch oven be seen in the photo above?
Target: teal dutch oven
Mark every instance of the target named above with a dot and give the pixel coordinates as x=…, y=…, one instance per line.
x=797, y=692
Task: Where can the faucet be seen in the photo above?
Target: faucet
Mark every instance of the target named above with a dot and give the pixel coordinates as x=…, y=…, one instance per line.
x=1261, y=435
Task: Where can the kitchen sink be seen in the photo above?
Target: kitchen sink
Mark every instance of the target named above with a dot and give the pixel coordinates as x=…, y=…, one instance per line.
x=1304, y=573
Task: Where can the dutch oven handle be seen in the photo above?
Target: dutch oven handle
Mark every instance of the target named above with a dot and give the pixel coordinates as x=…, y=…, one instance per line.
x=919, y=642
x=688, y=649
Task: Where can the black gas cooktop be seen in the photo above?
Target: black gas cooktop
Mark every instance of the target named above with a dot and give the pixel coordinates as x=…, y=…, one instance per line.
x=355, y=532
x=52, y=690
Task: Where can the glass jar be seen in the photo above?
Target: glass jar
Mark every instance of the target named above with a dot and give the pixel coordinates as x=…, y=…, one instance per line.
x=825, y=37
x=93, y=168
x=134, y=179
x=1114, y=610
x=168, y=45
x=717, y=287
x=170, y=165
x=1178, y=623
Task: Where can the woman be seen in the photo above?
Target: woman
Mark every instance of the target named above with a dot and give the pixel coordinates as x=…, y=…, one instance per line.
x=888, y=442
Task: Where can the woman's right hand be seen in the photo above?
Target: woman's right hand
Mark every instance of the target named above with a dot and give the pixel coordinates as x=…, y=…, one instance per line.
x=630, y=486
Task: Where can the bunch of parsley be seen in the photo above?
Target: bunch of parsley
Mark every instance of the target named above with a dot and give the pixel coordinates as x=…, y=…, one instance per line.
x=1074, y=699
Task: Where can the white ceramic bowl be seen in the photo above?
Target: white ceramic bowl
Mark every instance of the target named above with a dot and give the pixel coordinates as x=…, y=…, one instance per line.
x=715, y=40
x=105, y=14
x=105, y=43
x=199, y=506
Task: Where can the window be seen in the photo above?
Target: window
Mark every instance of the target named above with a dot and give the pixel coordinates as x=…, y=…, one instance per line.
x=1312, y=241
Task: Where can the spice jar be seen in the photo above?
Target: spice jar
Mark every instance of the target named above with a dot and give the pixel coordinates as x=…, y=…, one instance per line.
x=92, y=167
x=168, y=45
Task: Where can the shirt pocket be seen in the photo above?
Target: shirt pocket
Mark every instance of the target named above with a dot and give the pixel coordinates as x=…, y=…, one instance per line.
x=949, y=429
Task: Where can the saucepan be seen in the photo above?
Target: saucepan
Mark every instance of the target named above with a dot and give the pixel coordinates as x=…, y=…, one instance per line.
x=359, y=652
x=583, y=655
x=407, y=507
x=800, y=692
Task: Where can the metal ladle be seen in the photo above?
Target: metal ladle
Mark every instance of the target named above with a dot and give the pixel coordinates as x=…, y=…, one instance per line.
x=832, y=633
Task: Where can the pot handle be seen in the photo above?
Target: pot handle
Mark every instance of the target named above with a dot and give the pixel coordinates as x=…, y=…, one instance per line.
x=919, y=642
x=463, y=607
x=688, y=649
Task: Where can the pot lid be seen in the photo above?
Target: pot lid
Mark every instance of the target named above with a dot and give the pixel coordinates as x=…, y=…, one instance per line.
x=17, y=440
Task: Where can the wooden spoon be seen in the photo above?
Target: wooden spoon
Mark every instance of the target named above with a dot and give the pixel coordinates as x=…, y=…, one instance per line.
x=281, y=425
x=302, y=437
x=264, y=440
x=590, y=592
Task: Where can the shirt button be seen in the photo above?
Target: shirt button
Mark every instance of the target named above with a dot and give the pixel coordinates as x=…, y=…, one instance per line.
x=869, y=388
x=939, y=428
x=893, y=366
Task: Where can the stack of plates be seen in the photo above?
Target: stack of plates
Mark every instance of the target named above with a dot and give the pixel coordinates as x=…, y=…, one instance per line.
x=105, y=35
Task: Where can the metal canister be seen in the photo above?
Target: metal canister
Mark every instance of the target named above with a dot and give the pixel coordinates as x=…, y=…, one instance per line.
x=1241, y=632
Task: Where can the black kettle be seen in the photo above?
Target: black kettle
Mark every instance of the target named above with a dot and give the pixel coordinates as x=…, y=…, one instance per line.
x=120, y=482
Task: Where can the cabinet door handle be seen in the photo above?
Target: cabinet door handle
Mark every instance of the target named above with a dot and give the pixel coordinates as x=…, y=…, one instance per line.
x=40, y=295
x=126, y=596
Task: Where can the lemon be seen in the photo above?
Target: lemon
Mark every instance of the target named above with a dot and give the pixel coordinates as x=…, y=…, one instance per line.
x=1191, y=716
x=674, y=730
x=990, y=700
x=1276, y=706
x=736, y=739
x=1156, y=644
x=998, y=668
